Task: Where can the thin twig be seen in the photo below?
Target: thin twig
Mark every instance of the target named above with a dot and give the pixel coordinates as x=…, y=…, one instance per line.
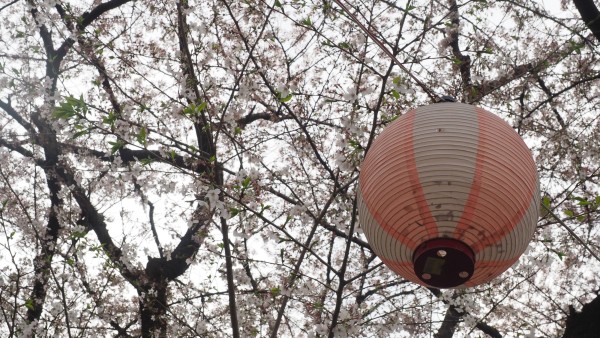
x=571, y=232
x=434, y=97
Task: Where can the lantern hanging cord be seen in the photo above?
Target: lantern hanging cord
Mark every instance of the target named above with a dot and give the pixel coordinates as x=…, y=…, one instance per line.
x=432, y=95
x=571, y=232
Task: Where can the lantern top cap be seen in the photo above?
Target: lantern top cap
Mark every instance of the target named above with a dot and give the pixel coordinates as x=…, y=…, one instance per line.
x=446, y=98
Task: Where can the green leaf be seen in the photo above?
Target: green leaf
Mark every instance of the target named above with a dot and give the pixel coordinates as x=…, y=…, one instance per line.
x=576, y=46
x=64, y=112
x=29, y=304
x=115, y=146
x=146, y=161
x=306, y=22
x=110, y=119
x=277, y=4
x=189, y=110
x=395, y=94
x=275, y=291
x=546, y=201
x=69, y=108
x=234, y=211
x=80, y=133
x=345, y=45
x=193, y=110
x=354, y=144
x=142, y=136
x=559, y=253
x=246, y=183
x=286, y=99
x=569, y=213
x=581, y=201
x=410, y=8
x=457, y=61
x=77, y=234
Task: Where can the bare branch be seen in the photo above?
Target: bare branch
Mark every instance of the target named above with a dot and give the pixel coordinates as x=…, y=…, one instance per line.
x=590, y=15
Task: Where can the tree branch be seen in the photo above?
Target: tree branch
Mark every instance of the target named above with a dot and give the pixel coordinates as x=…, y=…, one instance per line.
x=43, y=260
x=463, y=61
x=590, y=15
x=342, y=282
x=202, y=128
x=449, y=324
x=15, y=115
x=235, y=326
x=85, y=20
x=584, y=324
x=95, y=221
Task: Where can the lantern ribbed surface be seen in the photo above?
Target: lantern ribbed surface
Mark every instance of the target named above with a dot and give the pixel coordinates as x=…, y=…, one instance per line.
x=449, y=171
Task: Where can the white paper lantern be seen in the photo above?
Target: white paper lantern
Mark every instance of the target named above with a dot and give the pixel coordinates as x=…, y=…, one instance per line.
x=448, y=195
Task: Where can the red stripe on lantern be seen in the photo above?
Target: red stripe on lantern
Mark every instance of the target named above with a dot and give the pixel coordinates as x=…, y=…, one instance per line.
x=494, y=159
x=405, y=187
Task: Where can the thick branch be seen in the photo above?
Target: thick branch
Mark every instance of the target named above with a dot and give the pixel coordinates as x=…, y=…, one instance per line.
x=180, y=258
x=463, y=61
x=490, y=331
x=235, y=327
x=489, y=86
x=51, y=60
x=584, y=324
x=202, y=128
x=15, y=115
x=546, y=90
x=85, y=20
x=16, y=147
x=95, y=221
x=452, y=315
x=135, y=155
x=451, y=320
x=8, y=5
x=43, y=259
x=342, y=280
x=99, y=65
x=590, y=15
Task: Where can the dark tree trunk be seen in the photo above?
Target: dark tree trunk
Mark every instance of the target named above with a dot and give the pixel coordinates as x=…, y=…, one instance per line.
x=153, y=309
x=590, y=15
x=451, y=320
x=584, y=324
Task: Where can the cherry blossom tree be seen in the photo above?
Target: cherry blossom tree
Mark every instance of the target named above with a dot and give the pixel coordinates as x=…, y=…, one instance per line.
x=189, y=168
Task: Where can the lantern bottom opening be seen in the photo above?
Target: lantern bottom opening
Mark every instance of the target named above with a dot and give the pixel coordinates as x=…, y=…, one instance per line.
x=444, y=262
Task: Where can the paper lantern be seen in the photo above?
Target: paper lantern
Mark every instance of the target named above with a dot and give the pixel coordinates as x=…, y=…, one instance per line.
x=448, y=195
